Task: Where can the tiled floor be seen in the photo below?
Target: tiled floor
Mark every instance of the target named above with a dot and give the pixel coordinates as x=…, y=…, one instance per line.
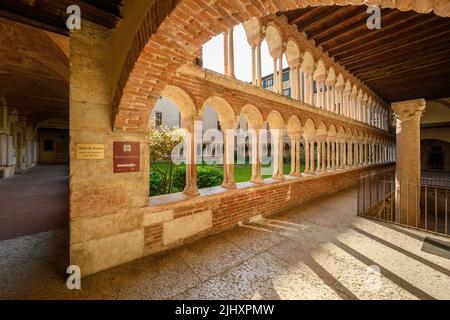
x=316, y=251
x=34, y=201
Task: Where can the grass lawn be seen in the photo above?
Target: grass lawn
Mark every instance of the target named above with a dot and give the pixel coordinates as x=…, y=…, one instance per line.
x=242, y=173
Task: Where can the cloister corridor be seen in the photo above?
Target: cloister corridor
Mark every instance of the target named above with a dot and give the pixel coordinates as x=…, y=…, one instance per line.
x=319, y=250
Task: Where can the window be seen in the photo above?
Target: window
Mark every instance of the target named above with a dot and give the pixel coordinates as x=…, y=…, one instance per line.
x=268, y=83
x=48, y=145
x=286, y=76
x=315, y=86
x=287, y=92
x=218, y=126
x=158, y=119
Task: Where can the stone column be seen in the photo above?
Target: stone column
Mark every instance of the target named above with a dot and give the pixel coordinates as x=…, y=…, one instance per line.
x=333, y=154
x=298, y=172
x=257, y=157
x=293, y=156
x=319, y=152
x=407, y=188
x=226, y=50
x=307, y=145
x=281, y=156
x=275, y=75
x=329, y=165
x=343, y=155
x=324, y=166
x=312, y=166
x=258, y=62
x=231, y=38
x=280, y=74
x=191, y=164
x=228, y=165
x=254, y=65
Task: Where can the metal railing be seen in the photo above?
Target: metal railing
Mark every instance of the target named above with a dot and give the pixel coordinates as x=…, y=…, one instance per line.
x=423, y=206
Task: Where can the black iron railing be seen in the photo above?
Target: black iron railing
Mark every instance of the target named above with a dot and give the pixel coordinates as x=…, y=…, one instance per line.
x=423, y=206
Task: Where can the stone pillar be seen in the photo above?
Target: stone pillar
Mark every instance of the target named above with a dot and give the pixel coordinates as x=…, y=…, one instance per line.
x=258, y=63
x=281, y=156
x=226, y=50
x=275, y=75
x=319, y=153
x=280, y=74
x=312, y=166
x=231, y=38
x=344, y=155
x=257, y=157
x=324, y=166
x=99, y=198
x=254, y=65
x=293, y=156
x=407, y=177
x=307, y=145
x=333, y=155
x=329, y=165
x=191, y=164
x=338, y=155
x=228, y=165
x=298, y=168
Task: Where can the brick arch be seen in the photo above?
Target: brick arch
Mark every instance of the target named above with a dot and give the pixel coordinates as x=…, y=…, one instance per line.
x=253, y=116
x=182, y=99
x=160, y=47
x=225, y=112
x=275, y=120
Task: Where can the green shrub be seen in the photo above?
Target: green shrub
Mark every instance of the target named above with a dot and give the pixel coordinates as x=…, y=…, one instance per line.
x=207, y=176
x=155, y=183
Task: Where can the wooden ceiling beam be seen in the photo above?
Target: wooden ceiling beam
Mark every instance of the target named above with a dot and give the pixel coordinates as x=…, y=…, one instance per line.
x=440, y=34
x=346, y=20
x=425, y=26
x=325, y=16
x=335, y=39
x=307, y=13
x=381, y=61
x=410, y=64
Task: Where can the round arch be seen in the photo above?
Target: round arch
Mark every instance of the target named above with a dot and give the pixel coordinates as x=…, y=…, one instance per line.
x=144, y=44
x=224, y=110
x=253, y=116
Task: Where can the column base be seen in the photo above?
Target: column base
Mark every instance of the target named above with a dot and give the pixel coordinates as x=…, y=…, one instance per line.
x=191, y=191
x=229, y=185
x=257, y=180
x=278, y=177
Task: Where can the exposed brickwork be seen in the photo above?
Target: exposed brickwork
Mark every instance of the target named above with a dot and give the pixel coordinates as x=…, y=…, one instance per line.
x=192, y=23
x=232, y=207
x=153, y=236
x=200, y=89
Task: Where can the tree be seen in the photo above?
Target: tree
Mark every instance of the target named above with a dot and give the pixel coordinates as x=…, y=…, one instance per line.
x=162, y=141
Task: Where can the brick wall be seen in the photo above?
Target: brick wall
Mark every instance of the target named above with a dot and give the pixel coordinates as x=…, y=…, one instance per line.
x=166, y=41
x=231, y=207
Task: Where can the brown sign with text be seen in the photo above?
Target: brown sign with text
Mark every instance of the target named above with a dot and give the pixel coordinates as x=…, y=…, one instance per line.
x=127, y=156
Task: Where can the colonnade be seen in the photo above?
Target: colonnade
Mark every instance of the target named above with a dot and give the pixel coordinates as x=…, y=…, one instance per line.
x=311, y=82
x=323, y=154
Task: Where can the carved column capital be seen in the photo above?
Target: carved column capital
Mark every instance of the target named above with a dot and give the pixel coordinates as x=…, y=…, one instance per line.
x=409, y=110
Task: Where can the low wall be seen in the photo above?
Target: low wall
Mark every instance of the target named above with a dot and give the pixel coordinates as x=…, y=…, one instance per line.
x=103, y=242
